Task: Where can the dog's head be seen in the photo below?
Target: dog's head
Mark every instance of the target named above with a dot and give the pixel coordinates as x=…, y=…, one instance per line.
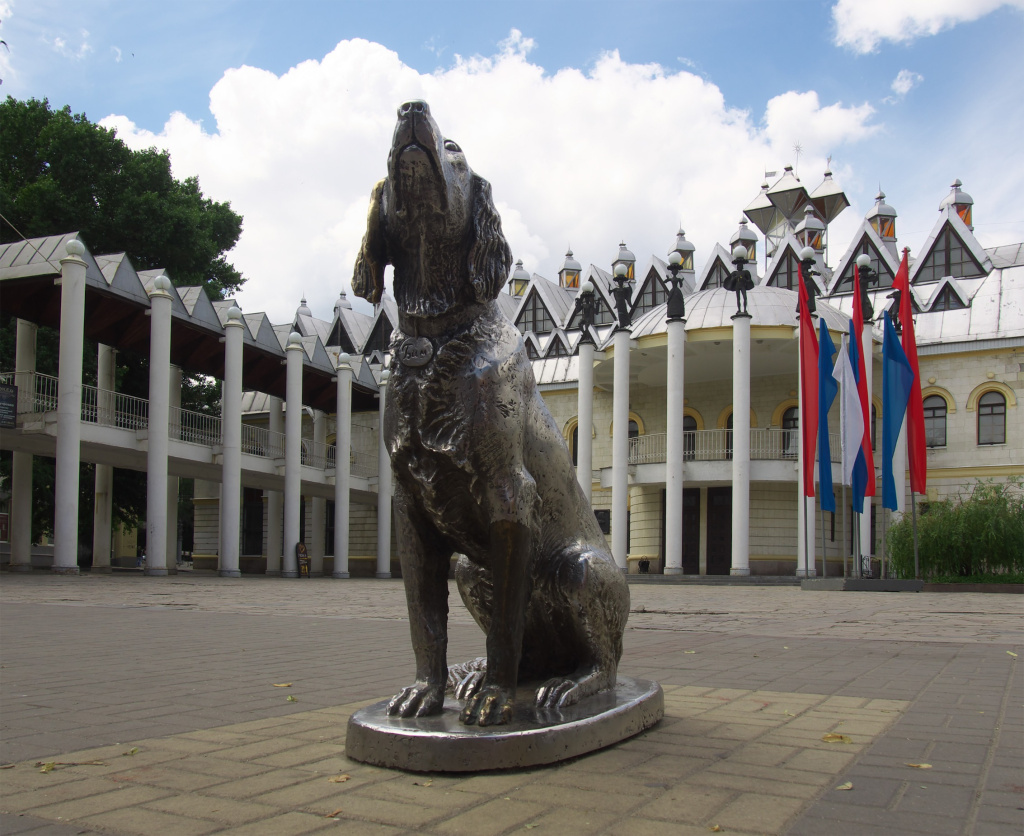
x=435, y=221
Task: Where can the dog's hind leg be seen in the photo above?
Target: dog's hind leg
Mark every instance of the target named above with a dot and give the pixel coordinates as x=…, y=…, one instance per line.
x=425, y=570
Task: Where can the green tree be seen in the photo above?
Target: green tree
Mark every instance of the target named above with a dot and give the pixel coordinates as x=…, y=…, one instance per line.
x=60, y=173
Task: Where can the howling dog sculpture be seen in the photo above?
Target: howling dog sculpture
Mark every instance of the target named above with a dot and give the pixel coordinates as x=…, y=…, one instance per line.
x=480, y=467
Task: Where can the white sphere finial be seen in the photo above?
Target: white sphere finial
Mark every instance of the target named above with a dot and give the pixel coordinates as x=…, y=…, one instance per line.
x=621, y=270
x=162, y=283
x=384, y=377
x=674, y=258
x=294, y=338
x=738, y=252
x=75, y=248
x=234, y=314
x=807, y=254
x=344, y=359
x=587, y=287
x=863, y=260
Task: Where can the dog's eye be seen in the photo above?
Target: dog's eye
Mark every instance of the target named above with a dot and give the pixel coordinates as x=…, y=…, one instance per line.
x=452, y=146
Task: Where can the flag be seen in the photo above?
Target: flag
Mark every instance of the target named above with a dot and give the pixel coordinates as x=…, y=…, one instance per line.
x=851, y=422
x=897, y=379
x=917, y=451
x=857, y=360
x=827, y=389
x=808, y=388
x=860, y=484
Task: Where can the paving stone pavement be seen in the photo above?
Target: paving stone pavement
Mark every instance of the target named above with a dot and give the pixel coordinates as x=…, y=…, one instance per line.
x=133, y=705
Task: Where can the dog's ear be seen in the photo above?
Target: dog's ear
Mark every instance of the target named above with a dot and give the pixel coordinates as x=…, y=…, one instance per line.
x=368, y=276
x=490, y=258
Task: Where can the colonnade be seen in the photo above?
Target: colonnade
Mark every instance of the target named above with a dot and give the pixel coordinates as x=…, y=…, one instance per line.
x=162, y=489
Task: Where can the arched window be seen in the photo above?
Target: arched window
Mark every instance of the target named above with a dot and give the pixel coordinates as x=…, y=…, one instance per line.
x=992, y=418
x=728, y=437
x=790, y=433
x=575, y=444
x=935, y=421
x=689, y=437
x=634, y=428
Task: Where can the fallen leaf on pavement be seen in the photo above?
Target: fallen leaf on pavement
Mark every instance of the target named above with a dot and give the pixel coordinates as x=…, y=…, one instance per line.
x=426, y=783
x=919, y=765
x=130, y=752
x=689, y=651
x=847, y=786
x=339, y=779
x=715, y=828
x=1014, y=655
x=46, y=767
x=332, y=815
x=290, y=698
x=837, y=738
x=282, y=685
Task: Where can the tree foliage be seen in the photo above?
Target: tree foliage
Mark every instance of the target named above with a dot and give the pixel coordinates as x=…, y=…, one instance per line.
x=61, y=173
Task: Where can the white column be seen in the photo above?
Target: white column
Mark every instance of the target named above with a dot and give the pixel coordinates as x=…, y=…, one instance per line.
x=275, y=543
x=620, y=449
x=231, y=446
x=383, y=491
x=585, y=420
x=174, y=401
x=159, y=421
x=103, y=505
x=69, y=409
x=867, y=346
x=342, y=465
x=21, y=466
x=318, y=517
x=292, y=455
x=674, y=448
x=740, y=445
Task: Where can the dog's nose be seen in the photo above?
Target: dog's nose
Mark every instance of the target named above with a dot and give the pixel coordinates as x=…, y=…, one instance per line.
x=417, y=106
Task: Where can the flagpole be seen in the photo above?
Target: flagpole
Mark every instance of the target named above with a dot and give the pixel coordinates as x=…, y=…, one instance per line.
x=913, y=518
x=824, y=553
x=844, y=529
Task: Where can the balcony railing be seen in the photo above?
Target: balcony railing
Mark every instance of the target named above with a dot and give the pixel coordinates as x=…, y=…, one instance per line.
x=259, y=441
x=716, y=445
x=194, y=427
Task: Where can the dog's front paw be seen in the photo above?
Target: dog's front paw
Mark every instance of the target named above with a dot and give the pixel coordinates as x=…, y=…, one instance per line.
x=490, y=706
x=558, y=693
x=418, y=700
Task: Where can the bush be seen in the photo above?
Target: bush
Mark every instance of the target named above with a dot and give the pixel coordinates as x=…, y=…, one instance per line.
x=981, y=534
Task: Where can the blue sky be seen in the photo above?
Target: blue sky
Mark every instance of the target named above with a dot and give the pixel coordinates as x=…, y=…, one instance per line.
x=559, y=104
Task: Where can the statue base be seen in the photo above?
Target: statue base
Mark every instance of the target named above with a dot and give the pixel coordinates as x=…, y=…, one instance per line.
x=534, y=737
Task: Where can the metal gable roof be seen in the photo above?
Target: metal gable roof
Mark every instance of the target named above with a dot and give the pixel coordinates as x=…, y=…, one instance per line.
x=948, y=216
x=884, y=253
x=789, y=244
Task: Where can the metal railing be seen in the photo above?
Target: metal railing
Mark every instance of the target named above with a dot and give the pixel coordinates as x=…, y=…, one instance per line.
x=363, y=465
x=114, y=409
x=36, y=392
x=259, y=441
x=195, y=427
x=716, y=445
x=314, y=454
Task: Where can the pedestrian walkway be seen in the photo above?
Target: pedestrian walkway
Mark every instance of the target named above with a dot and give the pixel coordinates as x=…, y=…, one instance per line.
x=135, y=705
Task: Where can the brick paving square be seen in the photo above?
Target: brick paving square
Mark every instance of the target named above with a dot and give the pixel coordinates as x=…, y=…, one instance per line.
x=741, y=740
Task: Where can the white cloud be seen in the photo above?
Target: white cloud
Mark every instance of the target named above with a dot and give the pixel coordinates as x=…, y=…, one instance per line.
x=862, y=25
x=905, y=81
x=76, y=52
x=624, y=151
x=117, y=54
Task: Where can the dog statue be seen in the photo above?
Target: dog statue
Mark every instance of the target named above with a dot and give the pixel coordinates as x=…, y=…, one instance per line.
x=480, y=467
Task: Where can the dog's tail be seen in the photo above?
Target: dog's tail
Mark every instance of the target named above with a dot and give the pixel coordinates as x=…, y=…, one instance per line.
x=368, y=276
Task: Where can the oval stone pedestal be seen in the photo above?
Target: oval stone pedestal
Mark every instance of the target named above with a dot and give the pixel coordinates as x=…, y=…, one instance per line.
x=442, y=744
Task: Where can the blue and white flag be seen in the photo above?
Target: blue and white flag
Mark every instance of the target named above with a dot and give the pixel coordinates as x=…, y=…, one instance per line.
x=827, y=389
x=897, y=378
x=851, y=422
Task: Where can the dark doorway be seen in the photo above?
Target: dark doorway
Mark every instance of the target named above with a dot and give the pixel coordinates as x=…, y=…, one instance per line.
x=719, y=530
x=691, y=531
x=252, y=521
